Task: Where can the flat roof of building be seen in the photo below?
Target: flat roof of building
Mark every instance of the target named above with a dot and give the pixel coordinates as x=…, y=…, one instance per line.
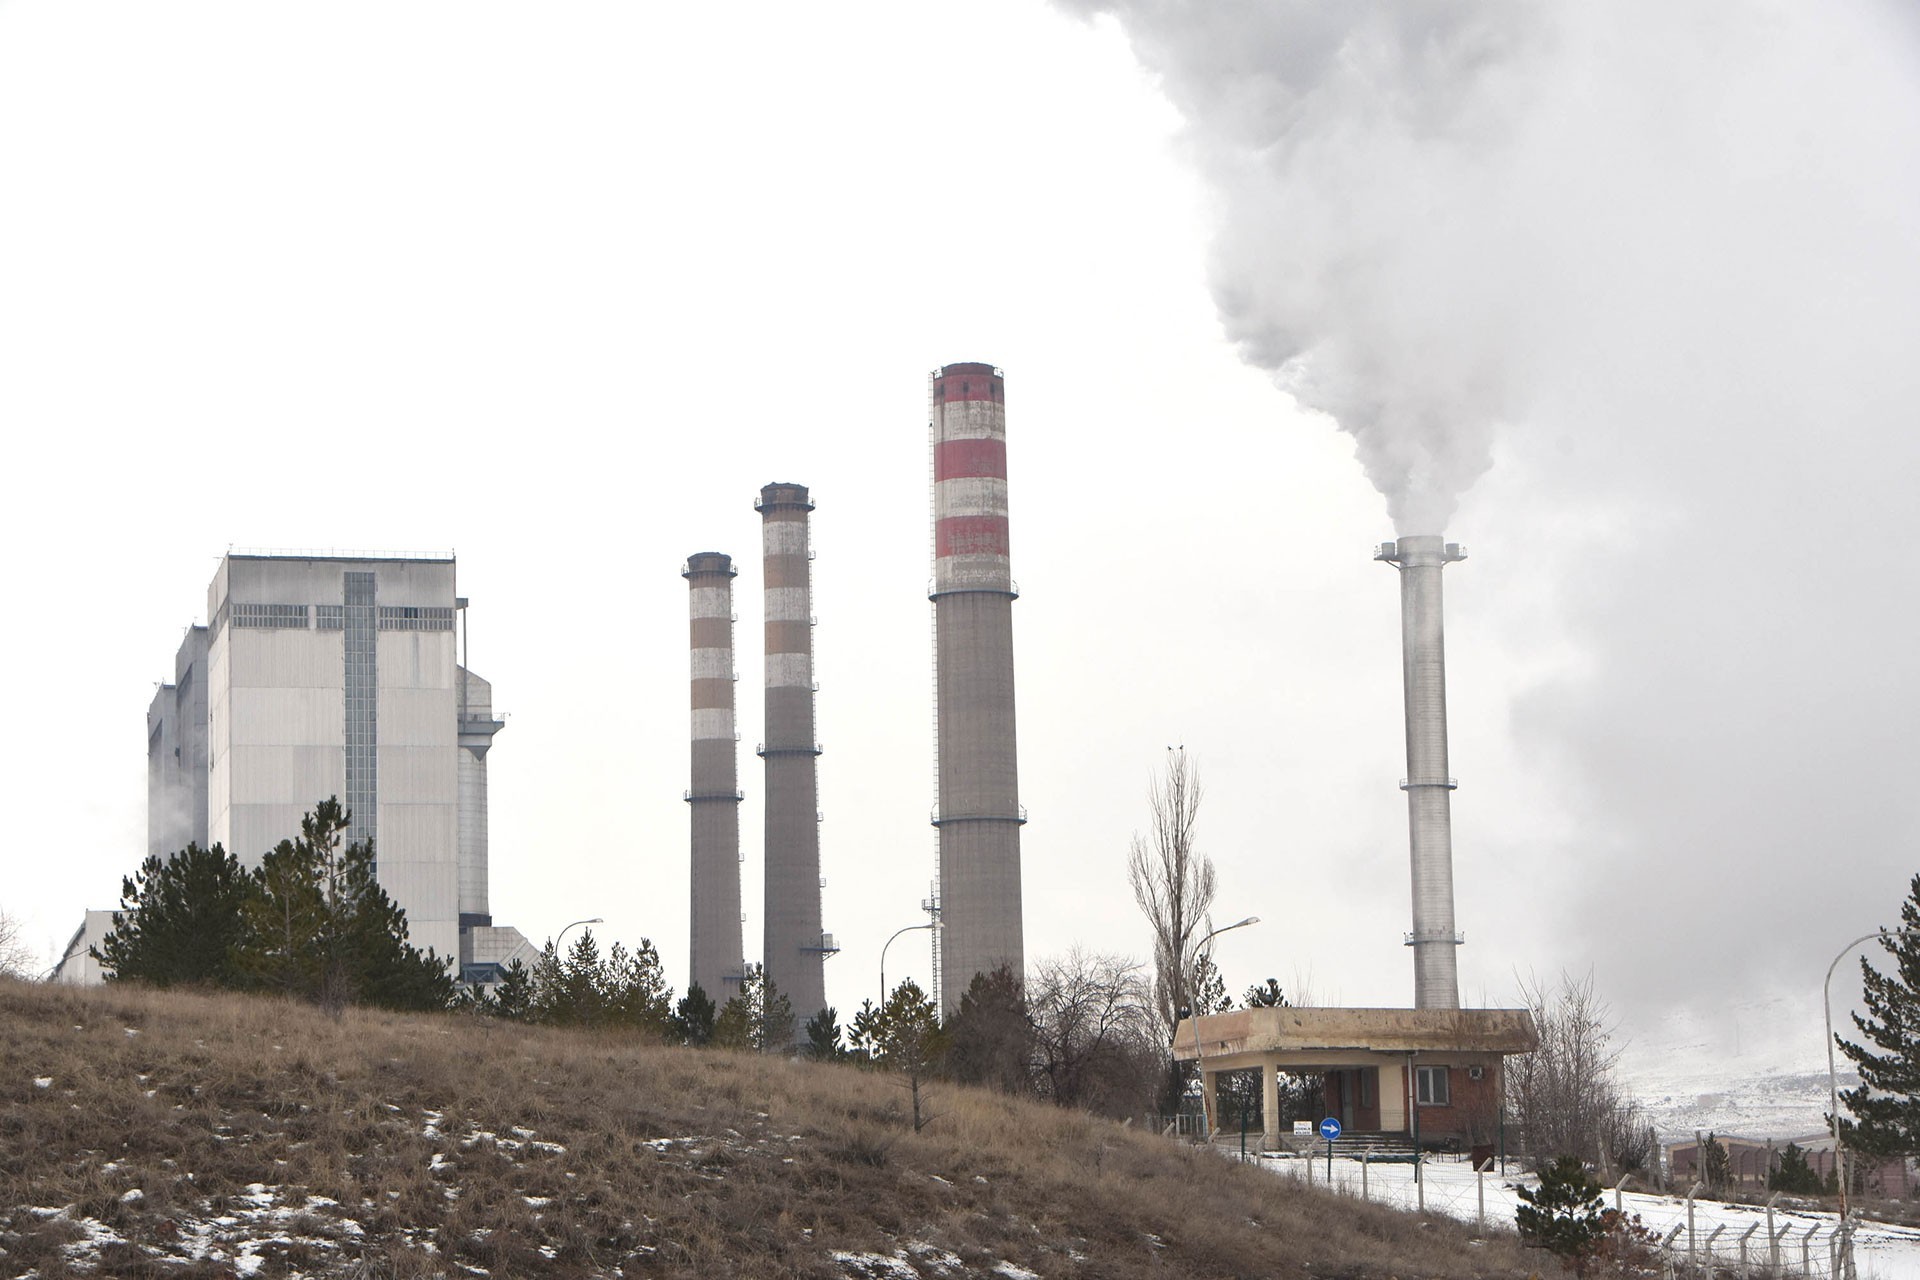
x=335, y=553
x=1289, y=1030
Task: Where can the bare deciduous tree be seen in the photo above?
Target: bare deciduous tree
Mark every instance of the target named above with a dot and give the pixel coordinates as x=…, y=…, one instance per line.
x=16, y=957
x=1563, y=1095
x=1174, y=885
x=1093, y=1036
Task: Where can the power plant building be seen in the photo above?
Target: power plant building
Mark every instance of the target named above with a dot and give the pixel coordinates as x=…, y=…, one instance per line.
x=978, y=814
x=713, y=797
x=796, y=947
x=322, y=675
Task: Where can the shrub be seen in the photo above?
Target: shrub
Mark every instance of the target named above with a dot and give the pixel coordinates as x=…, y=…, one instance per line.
x=1562, y=1215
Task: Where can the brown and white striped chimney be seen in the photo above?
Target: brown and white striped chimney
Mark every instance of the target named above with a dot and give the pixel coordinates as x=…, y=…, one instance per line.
x=796, y=947
x=717, y=960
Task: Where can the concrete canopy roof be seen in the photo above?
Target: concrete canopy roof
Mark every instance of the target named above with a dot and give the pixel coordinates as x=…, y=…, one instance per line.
x=1285, y=1030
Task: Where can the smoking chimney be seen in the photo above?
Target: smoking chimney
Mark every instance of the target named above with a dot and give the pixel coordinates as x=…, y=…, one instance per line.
x=1429, y=787
x=796, y=949
x=979, y=815
x=717, y=960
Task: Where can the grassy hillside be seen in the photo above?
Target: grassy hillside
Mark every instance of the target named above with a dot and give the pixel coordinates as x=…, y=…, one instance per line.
x=157, y=1134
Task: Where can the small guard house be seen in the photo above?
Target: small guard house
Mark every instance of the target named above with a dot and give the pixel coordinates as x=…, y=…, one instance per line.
x=1432, y=1076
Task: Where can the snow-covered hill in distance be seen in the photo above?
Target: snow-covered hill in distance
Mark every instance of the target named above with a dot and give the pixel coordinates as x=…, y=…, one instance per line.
x=1755, y=1070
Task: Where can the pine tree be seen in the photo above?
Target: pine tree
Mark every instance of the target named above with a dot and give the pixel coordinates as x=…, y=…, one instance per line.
x=1267, y=996
x=1794, y=1174
x=1562, y=1215
x=319, y=926
x=282, y=922
x=1886, y=1106
x=179, y=920
x=990, y=1036
x=905, y=1035
x=513, y=994
x=637, y=995
x=760, y=1017
x=693, y=1016
x=823, y=1036
x=776, y=1019
x=1716, y=1165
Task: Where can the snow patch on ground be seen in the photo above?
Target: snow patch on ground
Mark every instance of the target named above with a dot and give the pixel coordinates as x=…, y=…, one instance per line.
x=876, y=1266
x=1451, y=1187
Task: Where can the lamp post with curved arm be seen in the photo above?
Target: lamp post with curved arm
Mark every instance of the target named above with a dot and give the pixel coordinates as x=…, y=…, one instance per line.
x=563, y=933
x=1199, y=1057
x=931, y=924
x=1833, y=1079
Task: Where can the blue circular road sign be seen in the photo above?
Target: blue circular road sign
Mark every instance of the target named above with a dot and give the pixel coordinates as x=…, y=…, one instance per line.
x=1329, y=1128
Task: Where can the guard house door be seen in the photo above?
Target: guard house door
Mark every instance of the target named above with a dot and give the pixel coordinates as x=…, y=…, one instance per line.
x=1353, y=1098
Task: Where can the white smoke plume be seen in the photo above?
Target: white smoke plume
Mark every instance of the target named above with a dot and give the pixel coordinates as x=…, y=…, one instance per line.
x=1643, y=279
x=1429, y=212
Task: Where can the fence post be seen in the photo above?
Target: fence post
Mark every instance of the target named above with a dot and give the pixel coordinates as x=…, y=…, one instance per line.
x=1691, y=1253
x=1618, y=1187
x=1746, y=1270
x=1480, y=1177
x=1365, y=1157
x=1773, y=1239
x=1419, y=1183
x=1806, y=1249
x=1666, y=1249
x=1711, y=1237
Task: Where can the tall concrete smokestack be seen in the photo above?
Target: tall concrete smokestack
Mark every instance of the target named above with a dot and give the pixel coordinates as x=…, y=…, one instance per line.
x=979, y=814
x=1429, y=787
x=713, y=796
x=796, y=949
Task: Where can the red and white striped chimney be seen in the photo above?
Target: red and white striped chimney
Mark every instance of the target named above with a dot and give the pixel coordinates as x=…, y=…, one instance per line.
x=979, y=814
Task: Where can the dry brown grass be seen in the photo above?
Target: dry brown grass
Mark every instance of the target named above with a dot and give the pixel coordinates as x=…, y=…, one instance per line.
x=265, y=1136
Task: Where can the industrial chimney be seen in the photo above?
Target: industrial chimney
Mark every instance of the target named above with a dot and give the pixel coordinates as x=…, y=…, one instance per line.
x=796, y=948
x=1429, y=787
x=717, y=960
x=979, y=814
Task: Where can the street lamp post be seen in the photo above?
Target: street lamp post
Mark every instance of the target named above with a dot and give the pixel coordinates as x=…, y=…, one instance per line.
x=1193, y=1011
x=931, y=924
x=563, y=933
x=1833, y=1079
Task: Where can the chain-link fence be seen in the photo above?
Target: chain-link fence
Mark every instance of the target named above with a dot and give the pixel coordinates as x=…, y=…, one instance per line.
x=1691, y=1239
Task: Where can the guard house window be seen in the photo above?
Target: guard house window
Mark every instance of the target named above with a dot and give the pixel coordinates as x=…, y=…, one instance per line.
x=1430, y=1087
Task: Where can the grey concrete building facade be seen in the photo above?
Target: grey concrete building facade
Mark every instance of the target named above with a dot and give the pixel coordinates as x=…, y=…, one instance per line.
x=485, y=948
x=177, y=752
x=796, y=946
x=979, y=814
x=324, y=675
x=716, y=958
x=321, y=675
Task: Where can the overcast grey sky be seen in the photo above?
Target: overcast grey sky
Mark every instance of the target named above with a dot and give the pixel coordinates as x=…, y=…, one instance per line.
x=1624, y=295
